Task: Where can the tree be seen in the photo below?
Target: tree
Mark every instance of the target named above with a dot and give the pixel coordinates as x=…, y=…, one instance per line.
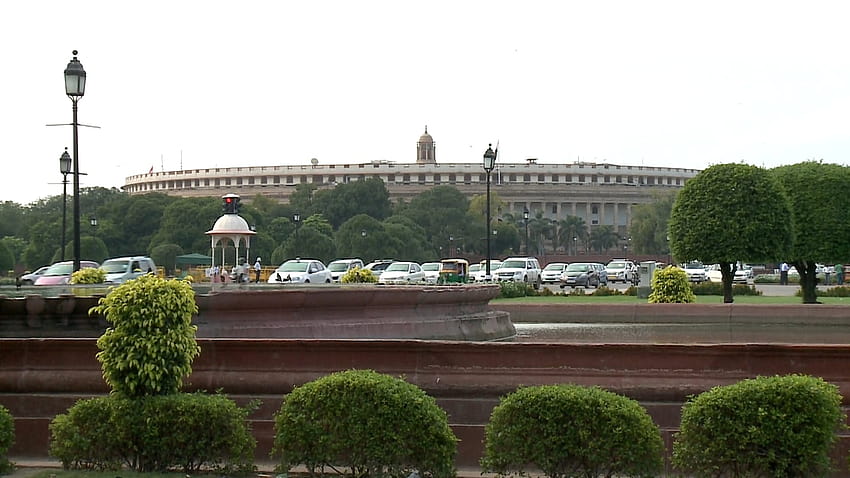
x=310, y=242
x=165, y=255
x=185, y=221
x=7, y=259
x=648, y=228
x=539, y=229
x=441, y=211
x=570, y=230
x=345, y=201
x=820, y=218
x=729, y=213
x=603, y=238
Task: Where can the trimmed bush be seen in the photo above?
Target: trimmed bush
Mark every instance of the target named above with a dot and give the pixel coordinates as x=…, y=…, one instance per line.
x=89, y=275
x=509, y=289
x=716, y=288
x=361, y=423
x=571, y=431
x=186, y=432
x=151, y=345
x=358, y=275
x=837, y=291
x=7, y=439
x=782, y=426
x=605, y=291
x=670, y=285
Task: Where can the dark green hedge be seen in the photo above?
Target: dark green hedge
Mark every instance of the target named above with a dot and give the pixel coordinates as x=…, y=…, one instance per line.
x=187, y=432
x=362, y=423
x=7, y=439
x=571, y=431
x=783, y=426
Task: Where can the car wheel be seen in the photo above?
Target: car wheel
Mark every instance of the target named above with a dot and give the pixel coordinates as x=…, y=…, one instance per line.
x=562, y=286
x=537, y=284
x=306, y=281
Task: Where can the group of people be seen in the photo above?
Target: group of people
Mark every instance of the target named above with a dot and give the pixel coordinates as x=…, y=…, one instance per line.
x=837, y=269
x=240, y=273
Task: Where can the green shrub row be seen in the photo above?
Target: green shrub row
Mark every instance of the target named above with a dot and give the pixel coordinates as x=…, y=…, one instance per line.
x=189, y=432
x=7, y=439
x=837, y=291
x=716, y=288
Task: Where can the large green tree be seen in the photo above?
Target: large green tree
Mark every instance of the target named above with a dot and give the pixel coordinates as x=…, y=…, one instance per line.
x=648, y=228
x=442, y=212
x=820, y=216
x=730, y=213
x=345, y=201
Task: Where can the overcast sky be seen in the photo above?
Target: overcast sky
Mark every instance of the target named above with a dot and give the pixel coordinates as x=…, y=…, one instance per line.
x=195, y=84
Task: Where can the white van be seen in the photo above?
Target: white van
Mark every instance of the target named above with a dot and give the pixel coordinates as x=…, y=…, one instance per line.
x=122, y=269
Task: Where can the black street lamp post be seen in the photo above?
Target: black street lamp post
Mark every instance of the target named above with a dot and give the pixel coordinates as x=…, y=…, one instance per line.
x=525, y=219
x=64, y=168
x=75, y=88
x=489, y=164
x=296, y=218
x=575, y=246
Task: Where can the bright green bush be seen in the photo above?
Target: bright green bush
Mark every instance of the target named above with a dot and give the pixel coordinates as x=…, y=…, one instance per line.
x=361, y=423
x=716, y=288
x=89, y=275
x=186, y=432
x=151, y=344
x=508, y=289
x=670, y=285
x=358, y=275
x=782, y=426
x=7, y=439
x=571, y=431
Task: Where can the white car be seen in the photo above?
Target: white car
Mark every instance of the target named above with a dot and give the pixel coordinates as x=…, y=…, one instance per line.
x=341, y=266
x=301, y=271
x=520, y=269
x=742, y=274
x=696, y=271
x=432, y=271
x=402, y=272
x=552, y=272
x=479, y=275
x=621, y=270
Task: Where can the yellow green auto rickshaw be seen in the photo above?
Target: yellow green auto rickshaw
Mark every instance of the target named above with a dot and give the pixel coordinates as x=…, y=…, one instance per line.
x=454, y=271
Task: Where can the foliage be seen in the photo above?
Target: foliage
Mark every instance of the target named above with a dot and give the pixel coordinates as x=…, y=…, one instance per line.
x=345, y=201
x=361, y=423
x=508, y=289
x=91, y=248
x=189, y=432
x=820, y=216
x=165, y=255
x=88, y=275
x=729, y=213
x=151, y=344
x=716, y=288
x=309, y=242
x=184, y=221
x=782, y=426
x=670, y=285
x=570, y=231
x=7, y=439
x=837, y=291
x=603, y=238
x=648, y=229
x=7, y=258
x=571, y=431
x=358, y=275
x=441, y=211
x=606, y=291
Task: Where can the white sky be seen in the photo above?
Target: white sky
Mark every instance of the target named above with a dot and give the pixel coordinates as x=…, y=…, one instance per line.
x=249, y=83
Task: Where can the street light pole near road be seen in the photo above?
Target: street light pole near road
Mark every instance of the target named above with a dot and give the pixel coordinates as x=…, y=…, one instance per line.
x=489, y=164
x=64, y=168
x=525, y=219
x=75, y=88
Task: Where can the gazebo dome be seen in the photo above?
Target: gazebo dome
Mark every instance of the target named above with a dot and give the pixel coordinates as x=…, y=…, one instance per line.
x=231, y=224
x=426, y=138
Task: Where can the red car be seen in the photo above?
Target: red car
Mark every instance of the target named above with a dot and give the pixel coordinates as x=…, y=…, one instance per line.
x=60, y=272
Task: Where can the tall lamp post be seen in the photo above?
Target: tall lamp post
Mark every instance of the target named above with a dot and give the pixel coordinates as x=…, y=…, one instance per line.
x=64, y=168
x=75, y=88
x=525, y=219
x=296, y=218
x=489, y=164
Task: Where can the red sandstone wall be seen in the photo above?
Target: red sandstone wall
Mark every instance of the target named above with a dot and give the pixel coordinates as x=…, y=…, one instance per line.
x=42, y=377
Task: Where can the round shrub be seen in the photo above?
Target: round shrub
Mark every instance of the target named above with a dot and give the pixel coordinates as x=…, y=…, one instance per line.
x=783, y=426
x=570, y=430
x=7, y=439
x=151, y=345
x=89, y=275
x=363, y=423
x=509, y=289
x=670, y=285
x=358, y=275
x=189, y=432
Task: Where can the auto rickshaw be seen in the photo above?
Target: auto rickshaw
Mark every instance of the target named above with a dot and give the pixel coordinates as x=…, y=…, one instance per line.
x=453, y=271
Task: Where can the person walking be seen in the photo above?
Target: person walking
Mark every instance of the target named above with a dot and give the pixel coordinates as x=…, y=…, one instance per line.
x=839, y=274
x=783, y=273
x=257, y=268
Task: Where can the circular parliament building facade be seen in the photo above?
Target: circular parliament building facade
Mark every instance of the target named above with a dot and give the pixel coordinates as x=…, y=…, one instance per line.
x=599, y=193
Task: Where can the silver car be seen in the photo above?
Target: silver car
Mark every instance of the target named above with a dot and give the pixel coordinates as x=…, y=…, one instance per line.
x=301, y=271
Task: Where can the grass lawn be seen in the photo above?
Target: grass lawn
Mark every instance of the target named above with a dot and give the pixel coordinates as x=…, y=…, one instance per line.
x=701, y=299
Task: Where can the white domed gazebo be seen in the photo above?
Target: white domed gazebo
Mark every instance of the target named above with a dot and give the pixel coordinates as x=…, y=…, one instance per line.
x=230, y=229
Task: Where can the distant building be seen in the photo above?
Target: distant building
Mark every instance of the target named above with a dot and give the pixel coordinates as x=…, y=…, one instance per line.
x=599, y=193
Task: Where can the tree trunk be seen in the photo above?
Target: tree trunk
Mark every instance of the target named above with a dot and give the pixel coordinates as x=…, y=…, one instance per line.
x=727, y=272
x=808, y=281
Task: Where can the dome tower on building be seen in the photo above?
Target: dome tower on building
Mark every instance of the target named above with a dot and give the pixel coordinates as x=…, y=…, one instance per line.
x=426, y=153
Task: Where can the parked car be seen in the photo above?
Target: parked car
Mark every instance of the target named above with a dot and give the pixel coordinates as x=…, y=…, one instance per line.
x=402, y=272
x=601, y=273
x=30, y=278
x=60, y=272
x=479, y=274
x=520, y=269
x=432, y=271
x=341, y=266
x=552, y=272
x=121, y=269
x=379, y=265
x=583, y=274
x=742, y=274
x=695, y=271
x=301, y=271
x=621, y=270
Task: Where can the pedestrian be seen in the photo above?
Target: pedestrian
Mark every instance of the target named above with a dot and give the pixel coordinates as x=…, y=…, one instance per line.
x=839, y=274
x=257, y=268
x=783, y=273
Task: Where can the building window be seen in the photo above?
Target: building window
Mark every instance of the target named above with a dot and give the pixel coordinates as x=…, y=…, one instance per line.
x=227, y=181
x=541, y=178
x=526, y=178
x=421, y=179
x=554, y=209
x=276, y=180
x=317, y=179
x=581, y=178
x=406, y=179
x=512, y=178
x=482, y=178
x=437, y=179
x=264, y=180
x=467, y=179
x=302, y=179
x=554, y=178
x=289, y=180
x=238, y=182
x=452, y=179
x=594, y=209
x=619, y=179
x=607, y=178
x=390, y=178
x=593, y=178
x=251, y=180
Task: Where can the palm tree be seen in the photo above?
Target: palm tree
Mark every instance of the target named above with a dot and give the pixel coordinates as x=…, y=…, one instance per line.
x=569, y=228
x=539, y=229
x=603, y=238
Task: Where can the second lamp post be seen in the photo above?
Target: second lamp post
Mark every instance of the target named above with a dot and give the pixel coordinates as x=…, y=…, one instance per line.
x=489, y=164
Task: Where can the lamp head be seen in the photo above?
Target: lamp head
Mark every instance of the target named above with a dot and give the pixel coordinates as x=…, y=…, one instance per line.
x=75, y=78
x=65, y=162
x=489, y=158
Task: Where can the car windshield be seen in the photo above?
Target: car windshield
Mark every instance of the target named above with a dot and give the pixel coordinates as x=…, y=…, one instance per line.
x=431, y=266
x=513, y=264
x=293, y=267
x=338, y=266
x=475, y=267
x=398, y=266
x=554, y=267
x=578, y=267
x=113, y=267
x=694, y=265
x=62, y=269
x=616, y=265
